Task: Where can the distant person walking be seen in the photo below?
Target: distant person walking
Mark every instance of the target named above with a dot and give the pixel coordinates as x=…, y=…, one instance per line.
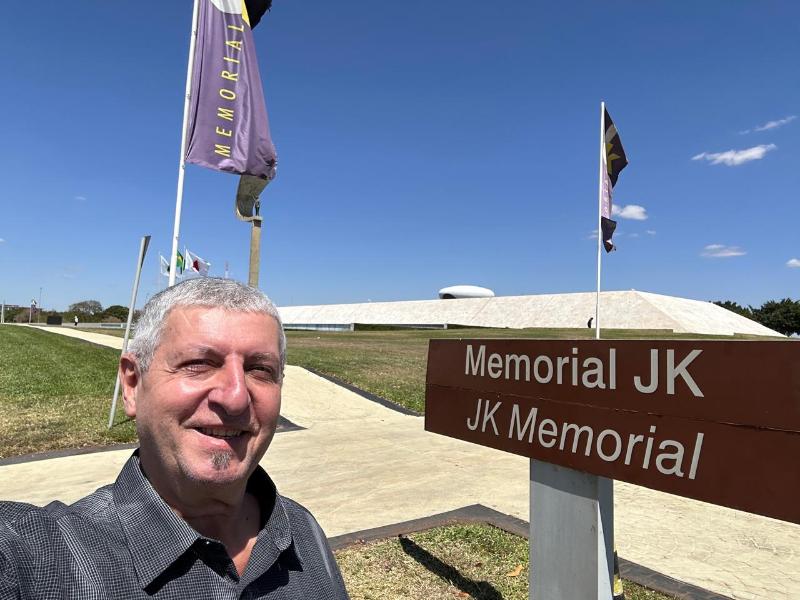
x=75, y=320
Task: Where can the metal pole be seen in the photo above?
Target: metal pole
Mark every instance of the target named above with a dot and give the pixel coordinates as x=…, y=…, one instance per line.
x=255, y=252
x=3, y=312
x=173, y=260
x=599, y=221
x=39, y=312
x=571, y=534
x=142, y=251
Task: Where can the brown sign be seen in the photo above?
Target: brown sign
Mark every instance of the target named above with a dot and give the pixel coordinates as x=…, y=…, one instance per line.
x=718, y=421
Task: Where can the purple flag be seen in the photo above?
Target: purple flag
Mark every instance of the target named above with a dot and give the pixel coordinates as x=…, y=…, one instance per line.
x=614, y=160
x=228, y=126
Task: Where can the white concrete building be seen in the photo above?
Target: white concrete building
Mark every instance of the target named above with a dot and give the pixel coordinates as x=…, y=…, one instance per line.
x=618, y=310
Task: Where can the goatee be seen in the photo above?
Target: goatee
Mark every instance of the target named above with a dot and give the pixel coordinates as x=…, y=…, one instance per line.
x=221, y=460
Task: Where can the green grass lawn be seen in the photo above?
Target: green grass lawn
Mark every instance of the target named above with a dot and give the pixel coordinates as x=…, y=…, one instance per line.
x=55, y=392
x=459, y=561
x=392, y=364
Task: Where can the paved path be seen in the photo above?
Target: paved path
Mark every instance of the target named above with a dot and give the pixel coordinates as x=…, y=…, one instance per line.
x=359, y=465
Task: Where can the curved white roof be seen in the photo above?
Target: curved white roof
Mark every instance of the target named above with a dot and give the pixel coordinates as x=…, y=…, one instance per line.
x=618, y=310
x=465, y=291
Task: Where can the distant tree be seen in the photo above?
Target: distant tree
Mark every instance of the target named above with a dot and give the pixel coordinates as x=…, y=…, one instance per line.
x=782, y=316
x=734, y=307
x=86, y=307
x=116, y=311
x=22, y=316
x=11, y=313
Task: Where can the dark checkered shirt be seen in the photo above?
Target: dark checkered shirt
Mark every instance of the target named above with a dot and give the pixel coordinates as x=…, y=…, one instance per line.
x=123, y=541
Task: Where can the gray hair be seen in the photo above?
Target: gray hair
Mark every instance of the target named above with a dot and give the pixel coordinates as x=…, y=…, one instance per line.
x=211, y=292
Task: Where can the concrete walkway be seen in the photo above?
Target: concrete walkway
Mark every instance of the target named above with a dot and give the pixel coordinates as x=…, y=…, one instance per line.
x=359, y=465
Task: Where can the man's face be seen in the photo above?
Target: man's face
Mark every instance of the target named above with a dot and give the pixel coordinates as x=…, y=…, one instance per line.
x=207, y=408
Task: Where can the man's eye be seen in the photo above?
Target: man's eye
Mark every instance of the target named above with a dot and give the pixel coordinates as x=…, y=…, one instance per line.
x=263, y=371
x=197, y=366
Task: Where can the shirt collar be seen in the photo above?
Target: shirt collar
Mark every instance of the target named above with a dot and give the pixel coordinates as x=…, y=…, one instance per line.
x=275, y=537
x=157, y=537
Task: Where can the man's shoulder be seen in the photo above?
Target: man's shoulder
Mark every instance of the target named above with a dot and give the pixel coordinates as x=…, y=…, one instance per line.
x=22, y=516
x=15, y=515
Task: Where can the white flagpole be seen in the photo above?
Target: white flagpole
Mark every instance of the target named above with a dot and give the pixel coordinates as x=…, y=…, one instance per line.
x=599, y=221
x=139, y=262
x=173, y=260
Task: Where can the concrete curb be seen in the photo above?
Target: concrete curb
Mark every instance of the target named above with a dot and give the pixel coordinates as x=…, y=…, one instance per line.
x=478, y=513
x=26, y=458
x=284, y=426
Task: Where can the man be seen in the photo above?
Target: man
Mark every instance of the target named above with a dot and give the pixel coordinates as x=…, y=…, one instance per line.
x=191, y=515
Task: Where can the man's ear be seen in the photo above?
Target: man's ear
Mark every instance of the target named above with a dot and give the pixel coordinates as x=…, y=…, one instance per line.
x=131, y=380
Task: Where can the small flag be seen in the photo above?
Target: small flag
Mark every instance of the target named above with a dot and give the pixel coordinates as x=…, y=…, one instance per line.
x=614, y=160
x=197, y=264
x=164, y=270
x=180, y=264
x=228, y=125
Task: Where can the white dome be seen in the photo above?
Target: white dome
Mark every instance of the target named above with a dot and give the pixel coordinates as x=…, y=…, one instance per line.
x=465, y=291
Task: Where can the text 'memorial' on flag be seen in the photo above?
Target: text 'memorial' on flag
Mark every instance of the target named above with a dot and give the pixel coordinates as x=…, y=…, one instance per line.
x=228, y=126
x=614, y=160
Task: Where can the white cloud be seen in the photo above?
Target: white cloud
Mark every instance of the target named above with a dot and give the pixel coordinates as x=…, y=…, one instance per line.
x=734, y=158
x=722, y=251
x=630, y=211
x=80, y=198
x=651, y=232
x=634, y=235
x=793, y=263
x=2, y=241
x=775, y=124
x=771, y=124
x=592, y=235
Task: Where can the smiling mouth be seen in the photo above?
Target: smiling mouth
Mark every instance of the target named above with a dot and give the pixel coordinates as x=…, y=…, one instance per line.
x=221, y=434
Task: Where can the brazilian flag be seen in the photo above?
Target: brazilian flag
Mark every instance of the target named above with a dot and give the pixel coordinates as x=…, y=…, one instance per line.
x=180, y=263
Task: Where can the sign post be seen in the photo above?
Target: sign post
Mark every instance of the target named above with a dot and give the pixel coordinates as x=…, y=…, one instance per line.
x=717, y=421
x=571, y=524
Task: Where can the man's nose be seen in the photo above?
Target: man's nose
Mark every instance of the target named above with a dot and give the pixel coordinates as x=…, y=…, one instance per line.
x=230, y=391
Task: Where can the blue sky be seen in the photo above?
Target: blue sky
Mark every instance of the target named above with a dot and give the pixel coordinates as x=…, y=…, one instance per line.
x=421, y=144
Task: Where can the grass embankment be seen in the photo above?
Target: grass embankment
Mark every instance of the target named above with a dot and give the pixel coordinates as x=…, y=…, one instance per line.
x=459, y=561
x=55, y=392
x=391, y=364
